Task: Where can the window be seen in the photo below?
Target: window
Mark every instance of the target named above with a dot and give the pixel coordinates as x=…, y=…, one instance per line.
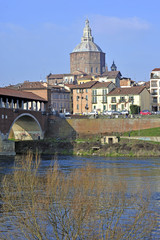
x=96, y=69
x=94, y=99
x=113, y=107
x=104, y=91
x=86, y=107
x=77, y=90
x=77, y=98
x=131, y=99
x=113, y=99
x=154, y=100
x=104, y=107
x=87, y=97
x=94, y=107
x=104, y=99
x=86, y=90
x=122, y=99
x=154, y=84
x=86, y=69
x=91, y=69
x=77, y=106
x=94, y=92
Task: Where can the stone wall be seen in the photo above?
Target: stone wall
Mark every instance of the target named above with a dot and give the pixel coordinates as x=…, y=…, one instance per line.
x=90, y=127
x=7, y=148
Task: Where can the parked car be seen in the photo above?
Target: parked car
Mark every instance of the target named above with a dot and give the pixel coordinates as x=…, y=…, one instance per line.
x=107, y=112
x=124, y=112
x=112, y=113
x=116, y=113
x=157, y=113
x=145, y=112
x=93, y=113
x=67, y=114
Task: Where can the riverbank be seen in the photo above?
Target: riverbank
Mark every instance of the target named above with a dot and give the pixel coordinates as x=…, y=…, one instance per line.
x=88, y=147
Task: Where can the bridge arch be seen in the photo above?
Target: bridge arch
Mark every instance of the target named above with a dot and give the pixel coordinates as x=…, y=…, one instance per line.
x=25, y=127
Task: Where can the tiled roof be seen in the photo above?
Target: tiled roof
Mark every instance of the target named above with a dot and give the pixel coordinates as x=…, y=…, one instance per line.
x=20, y=94
x=127, y=91
x=61, y=88
x=88, y=77
x=77, y=72
x=85, y=85
x=101, y=84
x=156, y=69
x=70, y=85
x=92, y=84
x=147, y=84
x=111, y=74
x=29, y=85
x=56, y=76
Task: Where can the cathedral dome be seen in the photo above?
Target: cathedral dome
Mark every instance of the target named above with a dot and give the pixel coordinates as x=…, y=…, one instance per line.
x=87, y=47
x=87, y=42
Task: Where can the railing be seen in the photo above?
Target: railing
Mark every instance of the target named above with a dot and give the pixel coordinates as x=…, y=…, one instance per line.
x=155, y=76
x=154, y=85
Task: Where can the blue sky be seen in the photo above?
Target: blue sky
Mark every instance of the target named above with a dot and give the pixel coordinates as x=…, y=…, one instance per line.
x=37, y=36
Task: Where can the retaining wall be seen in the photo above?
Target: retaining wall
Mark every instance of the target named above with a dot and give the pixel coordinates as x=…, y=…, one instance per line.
x=90, y=127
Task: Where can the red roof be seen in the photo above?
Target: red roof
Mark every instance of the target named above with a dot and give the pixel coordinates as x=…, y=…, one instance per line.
x=85, y=85
x=111, y=74
x=92, y=84
x=20, y=94
x=126, y=91
x=156, y=69
x=102, y=84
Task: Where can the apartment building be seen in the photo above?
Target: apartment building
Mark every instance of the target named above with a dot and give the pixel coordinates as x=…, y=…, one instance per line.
x=123, y=98
x=155, y=89
x=91, y=96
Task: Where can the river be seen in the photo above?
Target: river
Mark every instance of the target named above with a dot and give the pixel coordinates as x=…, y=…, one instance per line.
x=136, y=172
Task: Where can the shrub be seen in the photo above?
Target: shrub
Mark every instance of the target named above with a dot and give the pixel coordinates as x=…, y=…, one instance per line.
x=135, y=109
x=81, y=205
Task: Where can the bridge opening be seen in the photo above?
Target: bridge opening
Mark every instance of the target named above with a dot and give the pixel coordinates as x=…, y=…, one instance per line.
x=25, y=127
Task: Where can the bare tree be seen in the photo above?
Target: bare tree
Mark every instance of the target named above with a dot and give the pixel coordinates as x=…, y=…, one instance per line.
x=84, y=204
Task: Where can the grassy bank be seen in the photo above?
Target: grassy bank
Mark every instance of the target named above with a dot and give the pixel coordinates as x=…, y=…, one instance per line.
x=87, y=147
x=152, y=132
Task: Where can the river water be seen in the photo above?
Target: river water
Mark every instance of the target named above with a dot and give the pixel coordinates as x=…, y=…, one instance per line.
x=136, y=172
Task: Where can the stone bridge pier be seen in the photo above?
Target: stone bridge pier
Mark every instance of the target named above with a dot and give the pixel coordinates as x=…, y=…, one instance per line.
x=20, y=125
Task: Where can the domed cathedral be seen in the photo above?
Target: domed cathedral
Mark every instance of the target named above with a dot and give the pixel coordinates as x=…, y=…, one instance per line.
x=87, y=56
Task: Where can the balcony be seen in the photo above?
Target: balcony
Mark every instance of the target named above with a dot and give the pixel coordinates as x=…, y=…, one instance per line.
x=154, y=85
x=154, y=93
x=113, y=101
x=155, y=76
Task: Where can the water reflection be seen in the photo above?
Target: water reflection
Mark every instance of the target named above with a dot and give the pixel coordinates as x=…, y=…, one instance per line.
x=136, y=172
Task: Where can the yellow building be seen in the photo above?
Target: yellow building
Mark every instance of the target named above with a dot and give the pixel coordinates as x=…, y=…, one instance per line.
x=123, y=98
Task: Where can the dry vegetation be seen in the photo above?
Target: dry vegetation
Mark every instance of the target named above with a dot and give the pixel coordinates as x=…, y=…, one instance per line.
x=84, y=204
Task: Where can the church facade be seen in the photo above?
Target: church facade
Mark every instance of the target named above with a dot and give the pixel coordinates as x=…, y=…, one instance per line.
x=87, y=56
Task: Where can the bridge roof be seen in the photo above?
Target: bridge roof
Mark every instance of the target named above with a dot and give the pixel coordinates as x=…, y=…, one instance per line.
x=20, y=94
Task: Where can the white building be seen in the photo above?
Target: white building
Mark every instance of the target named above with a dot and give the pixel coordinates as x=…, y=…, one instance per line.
x=155, y=89
x=122, y=98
